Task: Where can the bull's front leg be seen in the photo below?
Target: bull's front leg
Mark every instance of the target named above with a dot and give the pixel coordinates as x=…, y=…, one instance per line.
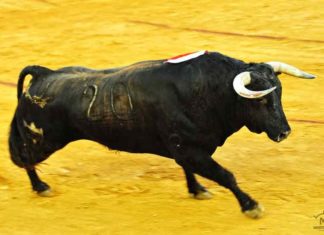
x=199, y=162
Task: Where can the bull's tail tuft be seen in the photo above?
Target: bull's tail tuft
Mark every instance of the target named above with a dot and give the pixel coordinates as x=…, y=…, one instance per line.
x=35, y=71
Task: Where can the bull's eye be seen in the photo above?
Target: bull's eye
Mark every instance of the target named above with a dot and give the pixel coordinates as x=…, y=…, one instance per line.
x=264, y=101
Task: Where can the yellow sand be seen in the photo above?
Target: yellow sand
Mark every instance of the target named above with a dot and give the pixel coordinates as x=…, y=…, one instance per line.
x=98, y=191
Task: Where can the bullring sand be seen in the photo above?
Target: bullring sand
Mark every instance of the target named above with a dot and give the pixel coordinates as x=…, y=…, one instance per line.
x=99, y=191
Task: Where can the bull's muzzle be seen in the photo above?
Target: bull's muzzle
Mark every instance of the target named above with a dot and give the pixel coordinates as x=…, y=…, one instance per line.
x=283, y=136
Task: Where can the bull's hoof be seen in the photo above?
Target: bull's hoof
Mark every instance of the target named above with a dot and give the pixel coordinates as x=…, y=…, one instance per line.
x=202, y=195
x=43, y=189
x=255, y=213
x=47, y=193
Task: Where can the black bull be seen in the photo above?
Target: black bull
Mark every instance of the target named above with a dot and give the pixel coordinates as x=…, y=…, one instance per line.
x=181, y=111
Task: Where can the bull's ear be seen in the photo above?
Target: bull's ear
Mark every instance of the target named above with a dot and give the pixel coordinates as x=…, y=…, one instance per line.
x=277, y=73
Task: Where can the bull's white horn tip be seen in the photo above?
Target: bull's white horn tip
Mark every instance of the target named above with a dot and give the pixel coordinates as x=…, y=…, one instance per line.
x=309, y=76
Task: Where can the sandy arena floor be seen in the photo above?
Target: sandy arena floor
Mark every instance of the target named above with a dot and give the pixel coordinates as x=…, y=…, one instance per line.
x=98, y=191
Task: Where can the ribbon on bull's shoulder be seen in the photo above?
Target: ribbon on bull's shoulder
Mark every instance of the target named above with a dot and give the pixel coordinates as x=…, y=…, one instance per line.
x=185, y=57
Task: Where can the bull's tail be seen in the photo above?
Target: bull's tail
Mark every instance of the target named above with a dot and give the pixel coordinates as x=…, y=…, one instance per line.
x=35, y=71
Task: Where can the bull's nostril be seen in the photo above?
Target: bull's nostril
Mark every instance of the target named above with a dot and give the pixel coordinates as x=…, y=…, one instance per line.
x=283, y=136
x=286, y=133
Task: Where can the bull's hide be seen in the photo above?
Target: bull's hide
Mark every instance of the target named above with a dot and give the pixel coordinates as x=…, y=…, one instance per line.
x=107, y=101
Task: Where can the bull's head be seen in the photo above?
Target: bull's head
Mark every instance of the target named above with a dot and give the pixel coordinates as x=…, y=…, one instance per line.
x=261, y=106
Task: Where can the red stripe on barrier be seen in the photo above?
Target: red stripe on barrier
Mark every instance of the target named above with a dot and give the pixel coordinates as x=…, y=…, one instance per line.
x=11, y=84
x=207, y=31
x=306, y=121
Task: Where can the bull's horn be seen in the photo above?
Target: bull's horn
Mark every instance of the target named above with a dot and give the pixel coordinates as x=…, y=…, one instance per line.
x=290, y=70
x=243, y=79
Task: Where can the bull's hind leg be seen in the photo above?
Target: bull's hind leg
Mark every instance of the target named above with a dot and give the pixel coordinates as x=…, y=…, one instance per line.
x=201, y=163
x=35, y=157
x=22, y=155
x=195, y=189
x=27, y=149
x=38, y=155
x=39, y=186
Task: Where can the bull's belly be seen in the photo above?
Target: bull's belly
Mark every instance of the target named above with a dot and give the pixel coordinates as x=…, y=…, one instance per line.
x=124, y=136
